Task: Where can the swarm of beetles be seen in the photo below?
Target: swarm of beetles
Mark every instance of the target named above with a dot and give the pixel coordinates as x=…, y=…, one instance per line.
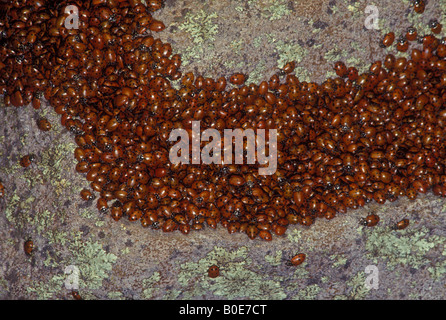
x=341, y=144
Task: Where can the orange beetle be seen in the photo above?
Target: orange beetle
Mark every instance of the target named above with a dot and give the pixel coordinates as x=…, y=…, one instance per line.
x=75, y=294
x=237, y=78
x=419, y=6
x=403, y=224
x=340, y=69
x=2, y=190
x=44, y=124
x=388, y=40
x=370, y=221
x=26, y=161
x=28, y=247
x=213, y=271
x=298, y=259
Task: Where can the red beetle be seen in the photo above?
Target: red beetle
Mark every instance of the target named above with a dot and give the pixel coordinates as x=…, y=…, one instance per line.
x=214, y=271
x=298, y=259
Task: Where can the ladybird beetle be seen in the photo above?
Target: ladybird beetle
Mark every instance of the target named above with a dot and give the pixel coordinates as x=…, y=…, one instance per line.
x=419, y=6
x=36, y=102
x=340, y=69
x=402, y=44
x=252, y=231
x=43, y=124
x=370, y=221
x=288, y=68
x=352, y=73
x=403, y=224
x=26, y=161
x=435, y=26
x=411, y=193
x=169, y=225
x=184, y=228
x=157, y=26
x=388, y=40
x=411, y=34
x=265, y=235
x=75, y=294
x=28, y=247
x=214, y=271
x=298, y=259
x=135, y=215
x=2, y=190
x=237, y=78
x=379, y=197
x=102, y=205
x=279, y=229
x=116, y=213
x=87, y=195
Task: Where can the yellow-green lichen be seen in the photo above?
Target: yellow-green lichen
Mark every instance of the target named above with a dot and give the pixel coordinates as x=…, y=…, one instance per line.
x=288, y=51
x=335, y=54
x=89, y=213
x=357, y=289
x=294, y=235
x=276, y=10
x=356, y=12
x=339, y=260
x=407, y=247
x=56, y=236
x=257, y=42
x=45, y=290
x=308, y=293
x=88, y=257
x=115, y=295
x=3, y=286
x=239, y=282
x=21, y=214
x=235, y=280
x=274, y=259
x=438, y=269
x=92, y=261
x=172, y=294
x=300, y=273
x=257, y=75
x=200, y=26
x=234, y=65
x=218, y=256
x=237, y=44
x=124, y=251
x=442, y=18
x=149, y=285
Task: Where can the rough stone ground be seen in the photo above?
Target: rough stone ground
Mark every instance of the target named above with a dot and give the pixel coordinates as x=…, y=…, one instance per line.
x=124, y=261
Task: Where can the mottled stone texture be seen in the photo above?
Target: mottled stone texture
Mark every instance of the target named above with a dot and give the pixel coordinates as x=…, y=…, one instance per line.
x=124, y=261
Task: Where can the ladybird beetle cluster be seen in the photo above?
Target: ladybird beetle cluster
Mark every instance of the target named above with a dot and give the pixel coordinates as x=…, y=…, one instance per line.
x=352, y=139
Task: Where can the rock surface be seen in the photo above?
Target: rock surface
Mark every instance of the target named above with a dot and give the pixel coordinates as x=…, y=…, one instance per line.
x=122, y=260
